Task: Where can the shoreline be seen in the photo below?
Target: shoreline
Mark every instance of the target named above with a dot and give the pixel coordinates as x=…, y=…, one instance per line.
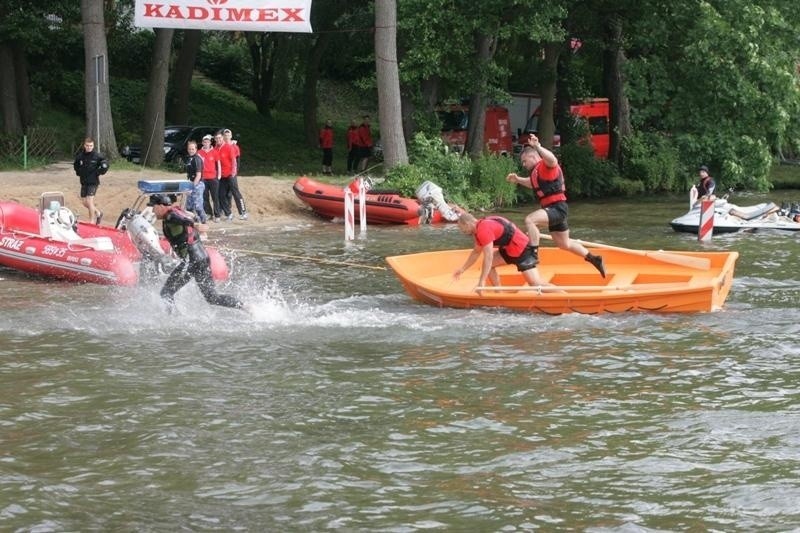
x=269, y=200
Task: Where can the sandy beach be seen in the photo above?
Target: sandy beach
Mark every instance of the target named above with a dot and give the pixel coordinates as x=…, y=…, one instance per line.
x=269, y=200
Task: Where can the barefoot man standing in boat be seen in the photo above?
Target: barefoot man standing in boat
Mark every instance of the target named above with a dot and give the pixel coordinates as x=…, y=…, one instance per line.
x=547, y=181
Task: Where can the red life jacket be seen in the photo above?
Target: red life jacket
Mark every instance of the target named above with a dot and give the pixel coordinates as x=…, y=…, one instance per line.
x=508, y=231
x=548, y=191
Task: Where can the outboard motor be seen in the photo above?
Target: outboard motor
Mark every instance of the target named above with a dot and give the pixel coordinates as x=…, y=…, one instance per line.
x=145, y=237
x=431, y=194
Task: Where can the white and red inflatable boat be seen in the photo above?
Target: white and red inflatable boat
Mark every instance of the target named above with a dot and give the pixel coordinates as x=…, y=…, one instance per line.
x=47, y=241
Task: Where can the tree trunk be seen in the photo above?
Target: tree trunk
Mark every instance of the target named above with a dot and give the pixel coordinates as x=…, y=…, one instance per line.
x=99, y=122
x=614, y=79
x=178, y=111
x=407, y=110
x=564, y=97
x=24, y=99
x=548, y=94
x=415, y=101
x=485, y=46
x=263, y=49
x=310, y=99
x=153, y=135
x=12, y=123
x=388, y=77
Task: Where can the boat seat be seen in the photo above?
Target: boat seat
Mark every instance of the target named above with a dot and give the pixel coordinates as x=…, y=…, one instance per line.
x=59, y=225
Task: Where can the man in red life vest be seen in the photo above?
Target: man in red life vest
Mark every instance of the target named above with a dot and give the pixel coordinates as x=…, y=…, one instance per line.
x=547, y=181
x=512, y=244
x=326, y=143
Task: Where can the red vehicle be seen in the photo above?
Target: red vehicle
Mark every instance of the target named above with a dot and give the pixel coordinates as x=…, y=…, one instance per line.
x=595, y=111
x=496, y=131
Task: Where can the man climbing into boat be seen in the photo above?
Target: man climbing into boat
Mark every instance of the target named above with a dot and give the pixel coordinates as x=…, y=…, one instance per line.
x=547, y=181
x=183, y=234
x=89, y=165
x=512, y=246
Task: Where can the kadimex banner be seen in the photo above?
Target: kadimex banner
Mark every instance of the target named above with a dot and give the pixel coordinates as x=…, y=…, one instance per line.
x=238, y=15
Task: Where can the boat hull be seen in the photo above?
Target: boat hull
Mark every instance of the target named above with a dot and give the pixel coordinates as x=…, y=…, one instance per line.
x=23, y=248
x=382, y=207
x=634, y=283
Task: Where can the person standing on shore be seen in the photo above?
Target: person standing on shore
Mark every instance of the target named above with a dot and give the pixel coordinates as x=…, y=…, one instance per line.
x=547, y=181
x=233, y=185
x=210, y=178
x=353, y=153
x=326, y=144
x=194, y=173
x=364, y=143
x=89, y=165
x=227, y=162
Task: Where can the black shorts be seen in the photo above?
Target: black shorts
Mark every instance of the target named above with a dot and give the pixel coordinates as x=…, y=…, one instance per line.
x=89, y=190
x=557, y=214
x=525, y=261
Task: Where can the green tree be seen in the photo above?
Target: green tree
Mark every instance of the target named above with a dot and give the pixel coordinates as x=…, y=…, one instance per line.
x=99, y=121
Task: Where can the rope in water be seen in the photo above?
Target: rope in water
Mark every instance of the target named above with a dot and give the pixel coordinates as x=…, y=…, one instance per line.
x=306, y=258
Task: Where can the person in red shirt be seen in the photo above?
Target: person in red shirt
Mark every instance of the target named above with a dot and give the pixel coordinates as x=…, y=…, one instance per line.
x=326, y=143
x=353, y=148
x=547, y=181
x=211, y=174
x=233, y=185
x=227, y=165
x=364, y=143
x=511, y=243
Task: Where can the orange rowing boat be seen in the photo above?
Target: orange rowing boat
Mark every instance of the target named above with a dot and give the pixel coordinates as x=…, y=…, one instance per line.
x=636, y=280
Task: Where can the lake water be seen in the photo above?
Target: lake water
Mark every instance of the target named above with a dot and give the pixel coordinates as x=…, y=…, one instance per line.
x=344, y=405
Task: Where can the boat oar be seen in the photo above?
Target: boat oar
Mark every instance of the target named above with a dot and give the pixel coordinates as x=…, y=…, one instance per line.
x=306, y=258
x=699, y=263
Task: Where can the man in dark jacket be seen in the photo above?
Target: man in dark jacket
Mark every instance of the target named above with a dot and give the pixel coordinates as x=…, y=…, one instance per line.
x=89, y=166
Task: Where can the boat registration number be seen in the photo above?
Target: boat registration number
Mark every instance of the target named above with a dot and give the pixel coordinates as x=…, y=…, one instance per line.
x=54, y=251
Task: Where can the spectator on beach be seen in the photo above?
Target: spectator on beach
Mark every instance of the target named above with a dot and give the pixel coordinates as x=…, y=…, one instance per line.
x=194, y=173
x=364, y=143
x=326, y=144
x=353, y=148
x=211, y=173
x=233, y=192
x=89, y=165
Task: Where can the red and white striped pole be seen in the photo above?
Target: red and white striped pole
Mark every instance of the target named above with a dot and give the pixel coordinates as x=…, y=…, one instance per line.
x=349, y=222
x=362, y=207
x=706, y=228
